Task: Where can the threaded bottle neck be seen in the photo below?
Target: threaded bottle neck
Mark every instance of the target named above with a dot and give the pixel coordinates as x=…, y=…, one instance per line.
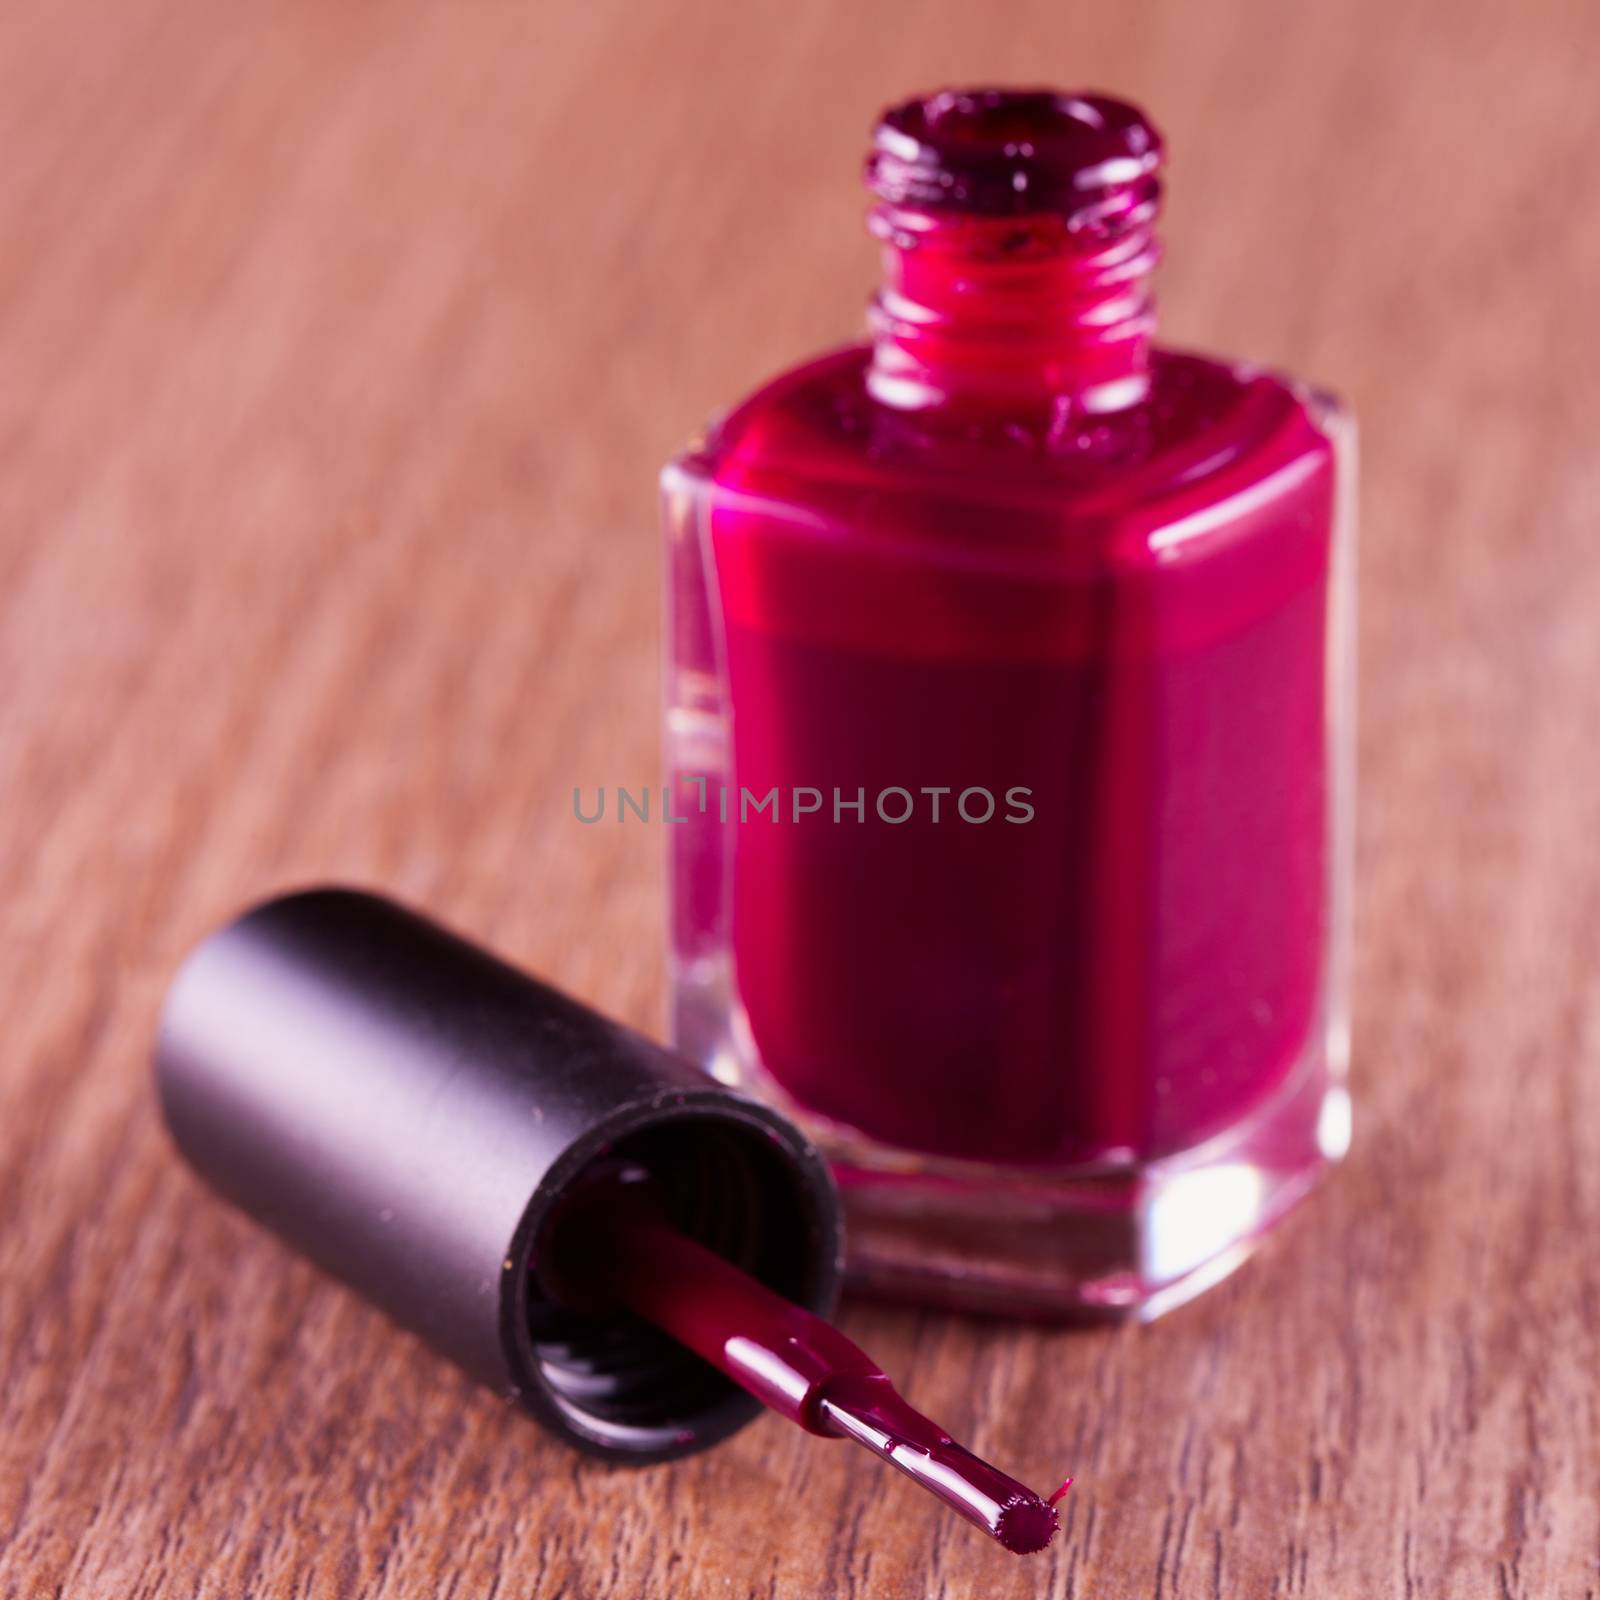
x=1019, y=238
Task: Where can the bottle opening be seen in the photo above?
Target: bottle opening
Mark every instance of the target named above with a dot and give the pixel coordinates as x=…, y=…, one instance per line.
x=1010, y=152
x=1019, y=238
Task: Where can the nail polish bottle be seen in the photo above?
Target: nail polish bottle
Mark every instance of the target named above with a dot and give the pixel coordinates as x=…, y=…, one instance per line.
x=1009, y=722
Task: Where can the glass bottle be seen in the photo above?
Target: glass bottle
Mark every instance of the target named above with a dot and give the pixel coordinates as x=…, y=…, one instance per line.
x=1009, y=722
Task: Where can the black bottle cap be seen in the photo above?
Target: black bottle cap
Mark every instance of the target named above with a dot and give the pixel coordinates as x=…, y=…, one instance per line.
x=407, y=1110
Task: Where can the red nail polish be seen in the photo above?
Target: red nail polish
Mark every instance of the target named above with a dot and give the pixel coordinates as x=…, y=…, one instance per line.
x=551, y=1200
x=1009, y=662
x=617, y=1239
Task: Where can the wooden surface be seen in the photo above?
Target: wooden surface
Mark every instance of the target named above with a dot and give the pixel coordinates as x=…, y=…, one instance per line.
x=339, y=344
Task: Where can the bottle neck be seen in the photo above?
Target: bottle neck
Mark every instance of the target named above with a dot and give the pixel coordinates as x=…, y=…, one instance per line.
x=1011, y=312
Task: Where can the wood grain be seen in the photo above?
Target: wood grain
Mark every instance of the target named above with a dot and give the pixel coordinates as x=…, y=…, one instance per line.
x=338, y=348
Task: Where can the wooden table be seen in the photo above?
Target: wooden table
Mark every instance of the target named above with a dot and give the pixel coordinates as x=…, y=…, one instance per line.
x=339, y=345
